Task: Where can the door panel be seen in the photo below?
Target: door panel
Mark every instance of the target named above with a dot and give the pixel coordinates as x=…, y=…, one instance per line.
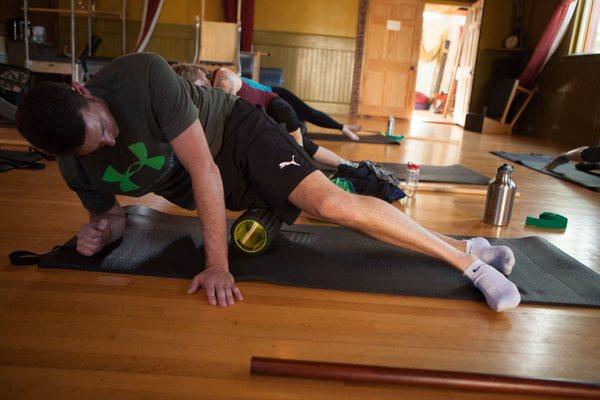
x=393, y=35
x=398, y=97
x=468, y=58
x=372, y=95
x=400, y=44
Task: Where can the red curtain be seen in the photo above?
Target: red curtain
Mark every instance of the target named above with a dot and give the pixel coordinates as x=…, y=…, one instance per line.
x=151, y=12
x=230, y=11
x=551, y=38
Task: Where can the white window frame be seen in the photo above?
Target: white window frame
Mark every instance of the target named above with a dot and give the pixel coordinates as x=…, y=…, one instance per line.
x=581, y=28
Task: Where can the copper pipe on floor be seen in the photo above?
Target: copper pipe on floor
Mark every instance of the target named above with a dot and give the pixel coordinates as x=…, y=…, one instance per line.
x=422, y=377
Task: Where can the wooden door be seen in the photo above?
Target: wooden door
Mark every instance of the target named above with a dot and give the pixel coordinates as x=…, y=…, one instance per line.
x=468, y=57
x=391, y=56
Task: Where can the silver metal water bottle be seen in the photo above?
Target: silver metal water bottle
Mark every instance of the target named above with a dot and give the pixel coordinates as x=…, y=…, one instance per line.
x=500, y=197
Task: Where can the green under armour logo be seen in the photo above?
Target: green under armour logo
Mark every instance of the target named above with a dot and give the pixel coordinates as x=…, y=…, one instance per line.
x=140, y=151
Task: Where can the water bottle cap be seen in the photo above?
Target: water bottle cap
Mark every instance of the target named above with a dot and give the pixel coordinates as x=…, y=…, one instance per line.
x=506, y=169
x=412, y=166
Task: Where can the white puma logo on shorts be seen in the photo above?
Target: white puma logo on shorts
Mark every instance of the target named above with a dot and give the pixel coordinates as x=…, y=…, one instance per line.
x=285, y=164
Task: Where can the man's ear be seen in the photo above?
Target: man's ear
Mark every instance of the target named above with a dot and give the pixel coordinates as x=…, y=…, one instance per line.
x=81, y=90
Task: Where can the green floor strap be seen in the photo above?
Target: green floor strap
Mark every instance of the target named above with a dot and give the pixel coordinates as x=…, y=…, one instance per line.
x=548, y=220
x=395, y=138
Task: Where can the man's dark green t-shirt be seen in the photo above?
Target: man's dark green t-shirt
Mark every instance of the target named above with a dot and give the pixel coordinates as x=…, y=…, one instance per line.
x=151, y=105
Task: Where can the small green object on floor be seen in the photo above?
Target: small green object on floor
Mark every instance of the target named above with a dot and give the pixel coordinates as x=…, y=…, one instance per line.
x=548, y=220
x=396, y=138
x=345, y=184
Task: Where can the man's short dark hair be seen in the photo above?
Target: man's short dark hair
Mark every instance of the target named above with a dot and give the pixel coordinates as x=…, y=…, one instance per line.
x=49, y=117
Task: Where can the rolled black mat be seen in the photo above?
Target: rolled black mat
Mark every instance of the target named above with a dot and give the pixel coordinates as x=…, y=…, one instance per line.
x=370, y=139
x=567, y=172
x=432, y=173
x=159, y=244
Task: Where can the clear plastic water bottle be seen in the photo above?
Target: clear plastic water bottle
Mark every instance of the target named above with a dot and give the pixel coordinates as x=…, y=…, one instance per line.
x=412, y=179
x=390, y=126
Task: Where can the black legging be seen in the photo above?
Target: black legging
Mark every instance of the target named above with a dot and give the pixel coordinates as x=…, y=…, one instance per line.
x=591, y=154
x=305, y=112
x=283, y=113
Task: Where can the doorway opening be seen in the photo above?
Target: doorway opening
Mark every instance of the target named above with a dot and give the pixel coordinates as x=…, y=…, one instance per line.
x=439, y=60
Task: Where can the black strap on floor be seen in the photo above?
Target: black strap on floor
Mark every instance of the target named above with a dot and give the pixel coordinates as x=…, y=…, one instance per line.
x=433, y=173
x=23, y=257
x=336, y=137
x=12, y=159
x=164, y=245
x=567, y=172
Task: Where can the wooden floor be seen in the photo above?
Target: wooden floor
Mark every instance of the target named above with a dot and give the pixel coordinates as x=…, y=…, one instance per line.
x=67, y=334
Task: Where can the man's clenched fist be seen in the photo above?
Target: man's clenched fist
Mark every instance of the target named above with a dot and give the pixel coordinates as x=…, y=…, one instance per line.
x=91, y=237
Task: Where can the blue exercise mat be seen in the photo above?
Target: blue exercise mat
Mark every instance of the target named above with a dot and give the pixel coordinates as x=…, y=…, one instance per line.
x=566, y=172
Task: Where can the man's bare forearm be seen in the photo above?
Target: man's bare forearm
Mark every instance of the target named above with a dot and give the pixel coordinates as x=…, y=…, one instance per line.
x=192, y=150
x=210, y=203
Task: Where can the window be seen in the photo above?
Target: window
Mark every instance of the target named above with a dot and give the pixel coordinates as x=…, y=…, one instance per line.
x=586, y=31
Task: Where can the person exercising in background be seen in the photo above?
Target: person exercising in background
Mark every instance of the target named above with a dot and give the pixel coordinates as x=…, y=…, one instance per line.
x=305, y=112
x=588, y=158
x=274, y=106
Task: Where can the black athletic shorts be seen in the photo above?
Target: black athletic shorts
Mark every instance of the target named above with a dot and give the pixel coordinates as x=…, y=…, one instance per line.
x=260, y=163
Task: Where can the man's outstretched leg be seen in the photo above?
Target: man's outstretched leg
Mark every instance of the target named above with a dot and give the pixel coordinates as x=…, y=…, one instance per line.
x=380, y=220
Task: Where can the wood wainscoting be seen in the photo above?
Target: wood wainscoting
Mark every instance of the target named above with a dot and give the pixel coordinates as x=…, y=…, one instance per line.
x=316, y=68
x=566, y=109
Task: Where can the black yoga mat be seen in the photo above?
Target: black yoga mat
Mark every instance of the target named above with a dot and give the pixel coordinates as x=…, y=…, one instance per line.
x=371, y=139
x=10, y=159
x=164, y=245
x=566, y=172
x=432, y=173
x=7, y=123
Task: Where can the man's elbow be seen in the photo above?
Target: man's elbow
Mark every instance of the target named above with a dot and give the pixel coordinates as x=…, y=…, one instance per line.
x=204, y=169
x=213, y=169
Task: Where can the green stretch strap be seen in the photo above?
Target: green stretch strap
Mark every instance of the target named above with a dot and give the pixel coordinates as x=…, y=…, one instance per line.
x=395, y=138
x=548, y=220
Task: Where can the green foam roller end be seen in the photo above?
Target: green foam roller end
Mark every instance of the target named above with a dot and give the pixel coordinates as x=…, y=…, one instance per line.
x=345, y=184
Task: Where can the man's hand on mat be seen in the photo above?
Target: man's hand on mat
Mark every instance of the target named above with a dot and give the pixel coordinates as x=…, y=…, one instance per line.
x=92, y=237
x=571, y=155
x=219, y=286
x=557, y=162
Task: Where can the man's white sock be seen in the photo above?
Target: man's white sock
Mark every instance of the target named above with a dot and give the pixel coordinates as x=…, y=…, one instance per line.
x=501, y=257
x=500, y=293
